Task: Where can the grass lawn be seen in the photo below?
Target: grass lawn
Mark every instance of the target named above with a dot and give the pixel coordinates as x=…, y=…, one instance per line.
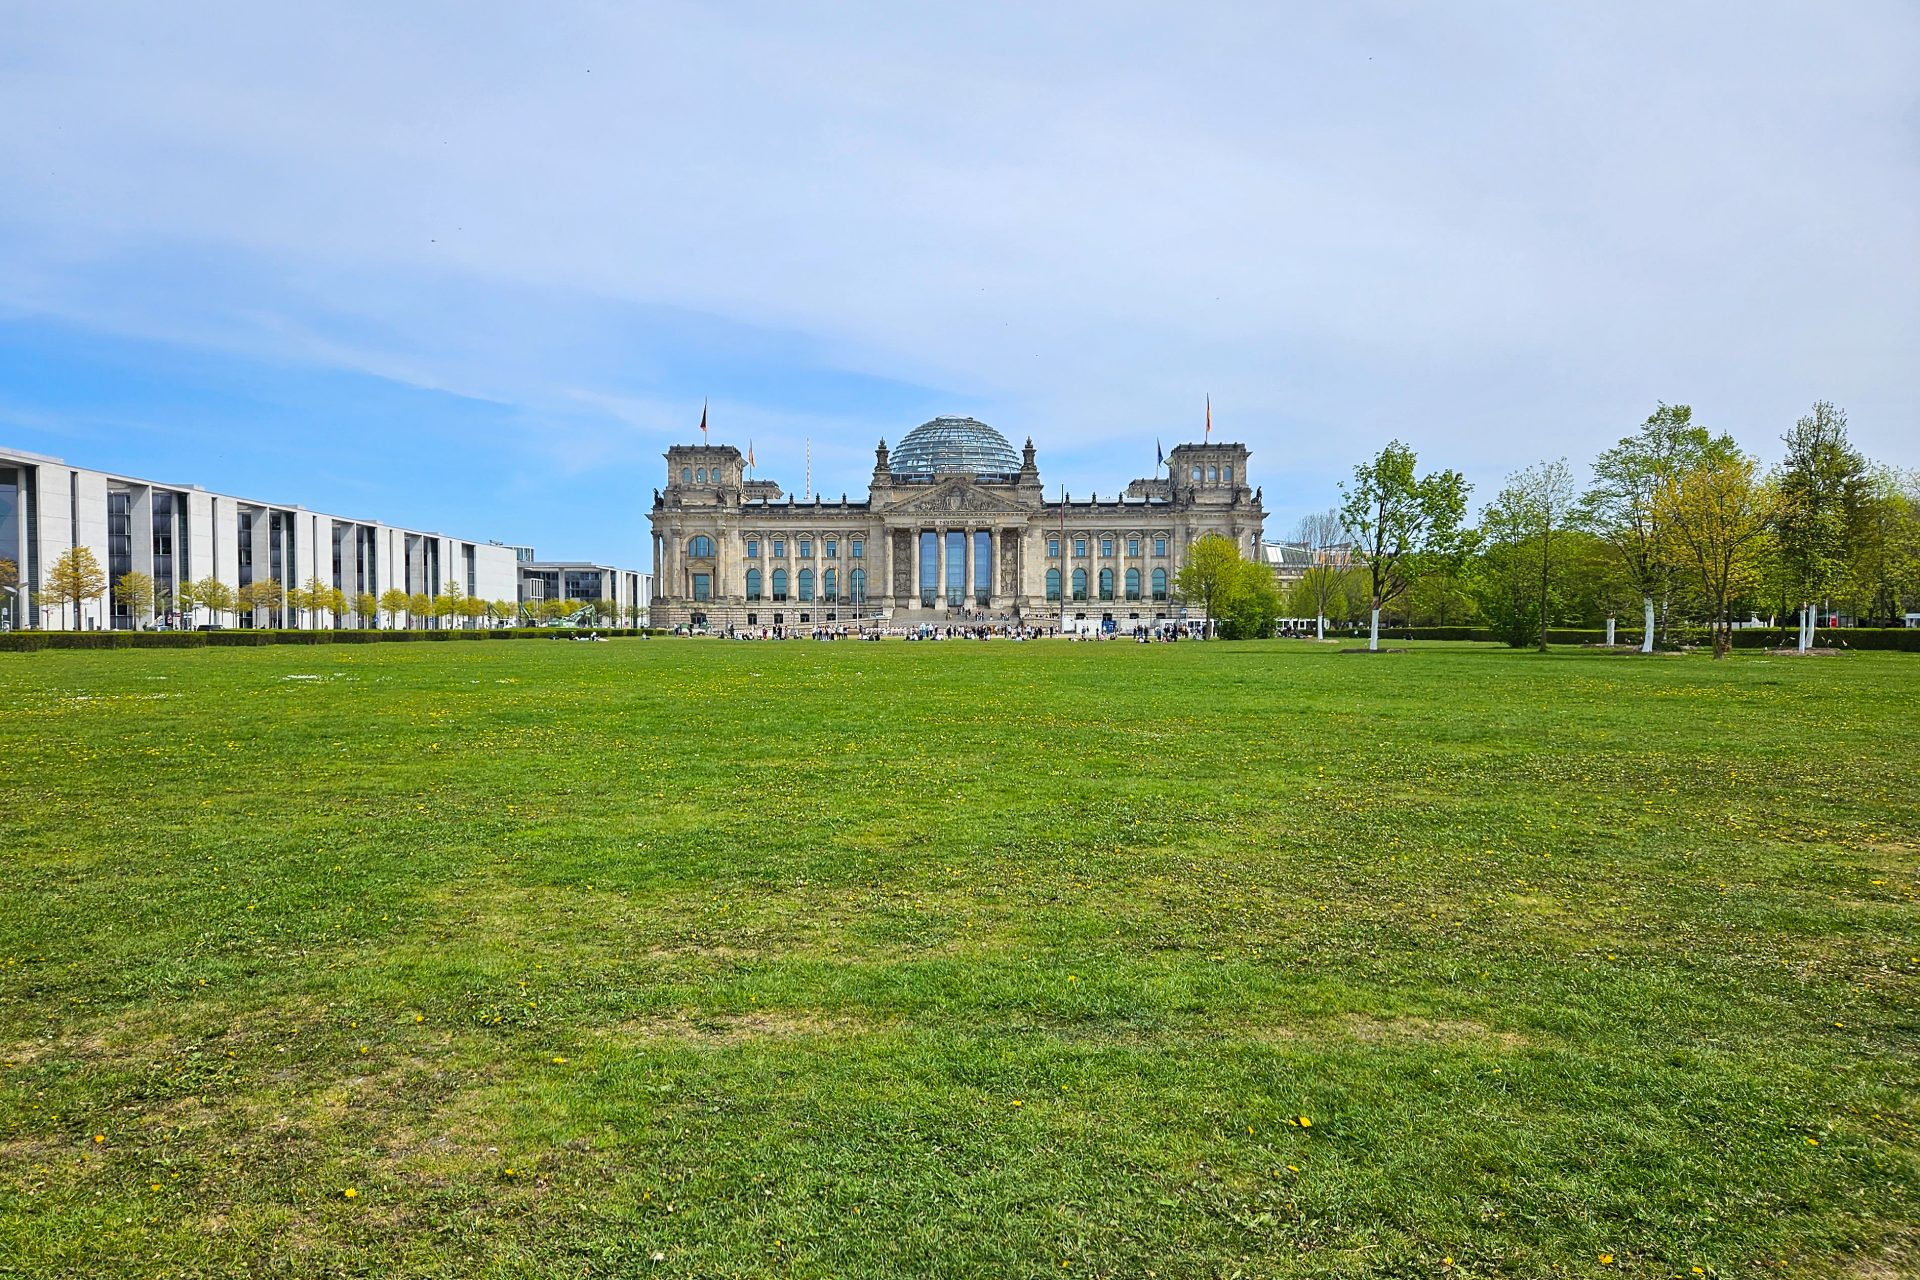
x=685, y=958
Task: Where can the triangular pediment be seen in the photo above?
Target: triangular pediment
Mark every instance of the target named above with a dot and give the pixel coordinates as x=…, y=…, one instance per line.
x=956, y=495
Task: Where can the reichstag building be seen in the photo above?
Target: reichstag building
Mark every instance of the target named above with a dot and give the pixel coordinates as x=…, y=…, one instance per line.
x=954, y=526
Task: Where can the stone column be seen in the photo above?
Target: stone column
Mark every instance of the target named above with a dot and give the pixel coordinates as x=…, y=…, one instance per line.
x=966, y=569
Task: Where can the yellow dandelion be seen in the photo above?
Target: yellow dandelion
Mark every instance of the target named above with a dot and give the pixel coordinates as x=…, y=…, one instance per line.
x=1447, y=1261
x=99, y=1137
x=1018, y=1103
x=1606, y=1259
x=156, y=1186
x=1813, y=1142
x=349, y=1193
x=1305, y=1123
x=559, y=1061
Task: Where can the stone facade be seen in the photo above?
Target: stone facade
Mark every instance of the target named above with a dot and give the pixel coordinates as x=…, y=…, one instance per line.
x=958, y=528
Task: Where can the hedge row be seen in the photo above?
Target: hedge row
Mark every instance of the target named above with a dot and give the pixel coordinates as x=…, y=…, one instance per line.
x=25, y=641
x=1902, y=639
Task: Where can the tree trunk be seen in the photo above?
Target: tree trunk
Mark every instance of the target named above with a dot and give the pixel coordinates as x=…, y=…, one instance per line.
x=1646, y=625
x=1373, y=638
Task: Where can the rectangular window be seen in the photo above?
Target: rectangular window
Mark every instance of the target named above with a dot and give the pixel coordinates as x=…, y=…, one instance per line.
x=703, y=586
x=1160, y=544
x=858, y=549
x=753, y=548
x=833, y=548
x=1133, y=546
x=1079, y=546
x=1106, y=546
x=806, y=548
x=1053, y=548
x=779, y=548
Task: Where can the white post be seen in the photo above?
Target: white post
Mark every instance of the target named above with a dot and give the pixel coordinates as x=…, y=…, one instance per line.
x=1373, y=639
x=1646, y=627
x=1609, y=631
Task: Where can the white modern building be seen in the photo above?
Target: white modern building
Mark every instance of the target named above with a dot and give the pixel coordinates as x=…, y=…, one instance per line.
x=178, y=533
x=628, y=590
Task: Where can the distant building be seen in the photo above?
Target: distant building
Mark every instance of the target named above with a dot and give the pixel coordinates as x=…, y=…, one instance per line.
x=178, y=533
x=628, y=590
x=955, y=524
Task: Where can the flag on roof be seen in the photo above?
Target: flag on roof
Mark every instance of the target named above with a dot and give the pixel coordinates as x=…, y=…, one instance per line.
x=1159, y=454
x=703, y=422
x=1209, y=434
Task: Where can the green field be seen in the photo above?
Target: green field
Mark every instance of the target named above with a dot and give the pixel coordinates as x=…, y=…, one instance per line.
x=698, y=959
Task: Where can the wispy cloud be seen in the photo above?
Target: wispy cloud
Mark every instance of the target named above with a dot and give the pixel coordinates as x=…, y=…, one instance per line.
x=1500, y=233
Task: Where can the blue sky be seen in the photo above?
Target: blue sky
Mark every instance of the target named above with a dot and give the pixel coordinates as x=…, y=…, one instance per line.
x=473, y=267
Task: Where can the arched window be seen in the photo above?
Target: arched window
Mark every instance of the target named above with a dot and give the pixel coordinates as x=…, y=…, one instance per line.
x=1053, y=584
x=699, y=475
x=779, y=584
x=1106, y=584
x=1079, y=584
x=1226, y=473
x=753, y=584
x=857, y=584
x=1159, y=584
x=1196, y=475
x=701, y=548
x=829, y=581
x=686, y=475
x=1213, y=475
x=806, y=584
x=1133, y=584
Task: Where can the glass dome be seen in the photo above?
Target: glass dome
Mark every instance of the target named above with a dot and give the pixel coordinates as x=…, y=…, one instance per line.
x=948, y=445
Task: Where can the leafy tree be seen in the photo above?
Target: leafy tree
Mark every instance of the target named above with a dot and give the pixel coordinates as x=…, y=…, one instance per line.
x=366, y=607
x=447, y=604
x=134, y=590
x=1250, y=605
x=9, y=573
x=472, y=608
x=1211, y=569
x=299, y=600
x=419, y=609
x=1623, y=510
x=269, y=595
x=1322, y=587
x=213, y=595
x=75, y=578
x=605, y=610
x=1880, y=579
x=393, y=603
x=1822, y=488
x=1533, y=510
x=1721, y=517
x=1404, y=526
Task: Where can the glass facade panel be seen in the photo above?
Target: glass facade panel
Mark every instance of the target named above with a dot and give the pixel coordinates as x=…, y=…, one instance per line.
x=857, y=584
x=830, y=584
x=779, y=584
x=956, y=590
x=1159, y=584
x=929, y=569
x=1133, y=584
x=806, y=585
x=1053, y=584
x=753, y=584
x=703, y=586
x=982, y=567
x=1079, y=584
x=1106, y=584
